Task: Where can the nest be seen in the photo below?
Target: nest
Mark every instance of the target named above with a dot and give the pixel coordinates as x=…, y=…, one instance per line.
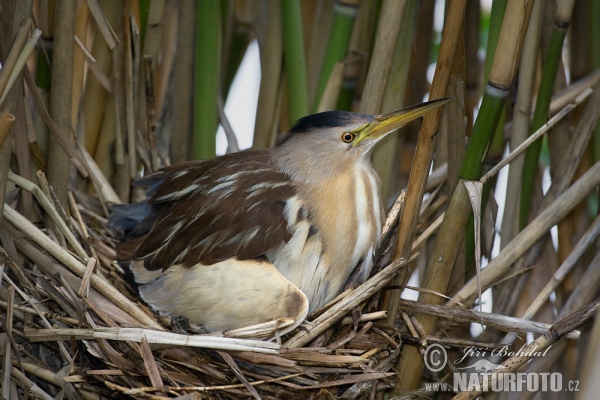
x=74, y=325
x=79, y=327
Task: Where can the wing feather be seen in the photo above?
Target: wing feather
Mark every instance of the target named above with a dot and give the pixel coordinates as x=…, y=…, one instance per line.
x=209, y=211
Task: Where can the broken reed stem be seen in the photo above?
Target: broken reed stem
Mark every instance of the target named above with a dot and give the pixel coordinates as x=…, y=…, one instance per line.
x=451, y=232
x=32, y=302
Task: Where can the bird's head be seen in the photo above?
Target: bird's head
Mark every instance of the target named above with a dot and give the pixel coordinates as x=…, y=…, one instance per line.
x=336, y=139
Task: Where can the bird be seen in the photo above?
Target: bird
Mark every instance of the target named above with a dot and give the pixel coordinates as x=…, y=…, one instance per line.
x=261, y=235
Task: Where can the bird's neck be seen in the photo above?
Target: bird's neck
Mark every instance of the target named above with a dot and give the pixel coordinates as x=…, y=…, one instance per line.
x=317, y=166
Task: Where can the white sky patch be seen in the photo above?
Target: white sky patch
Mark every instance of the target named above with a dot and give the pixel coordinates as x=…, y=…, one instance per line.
x=240, y=107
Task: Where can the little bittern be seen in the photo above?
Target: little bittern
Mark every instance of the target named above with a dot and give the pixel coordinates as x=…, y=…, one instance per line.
x=261, y=235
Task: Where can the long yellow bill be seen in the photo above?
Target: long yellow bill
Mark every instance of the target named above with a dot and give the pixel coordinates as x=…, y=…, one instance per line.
x=386, y=123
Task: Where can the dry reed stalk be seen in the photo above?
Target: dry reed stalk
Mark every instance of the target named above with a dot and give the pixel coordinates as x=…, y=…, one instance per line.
x=383, y=54
x=585, y=295
x=122, y=179
x=565, y=96
x=590, y=385
x=455, y=123
x=385, y=157
x=154, y=27
x=63, y=351
x=554, y=334
x=61, y=96
x=425, y=146
x=20, y=63
x=7, y=348
x=322, y=18
x=565, y=172
x=29, y=385
x=232, y=143
x=104, y=157
x=79, y=56
x=389, y=25
x=153, y=337
x=131, y=79
x=106, y=193
x=183, y=71
x=94, y=96
x=331, y=94
x=271, y=53
x=103, y=22
x=61, y=136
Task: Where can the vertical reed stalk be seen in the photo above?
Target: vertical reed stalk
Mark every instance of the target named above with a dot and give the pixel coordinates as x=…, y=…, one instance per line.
x=426, y=145
x=61, y=96
x=521, y=121
x=385, y=157
x=542, y=106
x=341, y=31
x=184, y=75
x=206, y=78
x=295, y=59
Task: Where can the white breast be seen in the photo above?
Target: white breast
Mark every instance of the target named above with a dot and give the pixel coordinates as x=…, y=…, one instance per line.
x=320, y=264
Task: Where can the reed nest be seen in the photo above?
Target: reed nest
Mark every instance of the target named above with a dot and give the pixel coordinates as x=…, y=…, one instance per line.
x=74, y=325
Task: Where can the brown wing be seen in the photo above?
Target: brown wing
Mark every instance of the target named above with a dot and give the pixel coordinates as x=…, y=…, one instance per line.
x=208, y=211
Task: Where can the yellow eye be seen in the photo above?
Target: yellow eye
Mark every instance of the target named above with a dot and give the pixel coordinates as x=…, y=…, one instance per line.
x=348, y=137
